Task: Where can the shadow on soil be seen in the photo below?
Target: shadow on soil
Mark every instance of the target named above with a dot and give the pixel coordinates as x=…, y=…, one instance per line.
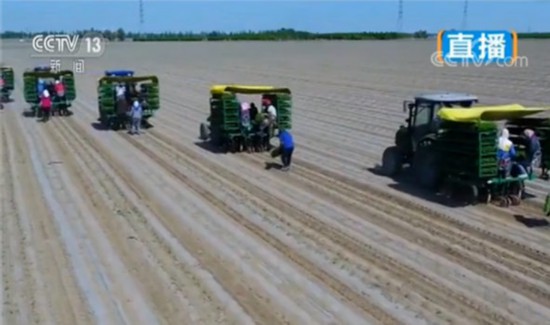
x=30, y=114
x=208, y=146
x=100, y=127
x=405, y=183
x=273, y=165
x=531, y=222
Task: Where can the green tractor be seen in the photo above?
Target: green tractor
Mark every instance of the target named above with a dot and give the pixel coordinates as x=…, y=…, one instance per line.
x=31, y=79
x=453, y=146
x=6, y=86
x=142, y=88
x=233, y=128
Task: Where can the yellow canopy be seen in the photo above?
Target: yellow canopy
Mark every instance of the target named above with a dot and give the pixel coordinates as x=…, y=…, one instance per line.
x=245, y=89
x=487, y=113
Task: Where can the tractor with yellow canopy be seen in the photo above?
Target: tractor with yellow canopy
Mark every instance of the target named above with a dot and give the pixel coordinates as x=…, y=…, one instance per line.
x=458, y=150
x=234, y=126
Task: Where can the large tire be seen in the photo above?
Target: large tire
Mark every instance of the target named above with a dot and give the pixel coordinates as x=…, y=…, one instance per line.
x=425, y=168
x=204, y=131
x=392, y=161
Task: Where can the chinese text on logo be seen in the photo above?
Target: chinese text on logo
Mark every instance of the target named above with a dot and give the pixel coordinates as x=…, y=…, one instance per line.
x=78, y=66
x=477, y=46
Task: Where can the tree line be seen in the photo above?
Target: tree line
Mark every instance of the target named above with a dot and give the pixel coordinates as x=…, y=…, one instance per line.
x=283, y=34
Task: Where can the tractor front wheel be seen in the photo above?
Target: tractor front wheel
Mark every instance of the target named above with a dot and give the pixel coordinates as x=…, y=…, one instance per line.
x=392, y=161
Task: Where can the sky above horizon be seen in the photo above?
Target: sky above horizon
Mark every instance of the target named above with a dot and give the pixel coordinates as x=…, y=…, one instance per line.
x=231, y=16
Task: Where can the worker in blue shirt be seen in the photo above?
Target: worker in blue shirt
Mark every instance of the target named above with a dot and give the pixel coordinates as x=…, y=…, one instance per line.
x=286, y=148
x=40, y=86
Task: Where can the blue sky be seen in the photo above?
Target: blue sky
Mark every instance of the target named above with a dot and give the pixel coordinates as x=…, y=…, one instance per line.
x=316, y=16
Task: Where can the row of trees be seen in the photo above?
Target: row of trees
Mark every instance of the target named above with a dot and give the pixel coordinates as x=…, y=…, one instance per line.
x=281, y=34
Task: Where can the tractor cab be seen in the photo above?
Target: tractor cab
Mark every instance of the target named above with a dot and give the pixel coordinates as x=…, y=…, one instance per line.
x=423, y=120
x=422, y=126
x=42, y=68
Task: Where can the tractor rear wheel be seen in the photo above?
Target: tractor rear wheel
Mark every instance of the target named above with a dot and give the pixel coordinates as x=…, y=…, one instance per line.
x=204, y=131
x=425, y=168
x=392, y=161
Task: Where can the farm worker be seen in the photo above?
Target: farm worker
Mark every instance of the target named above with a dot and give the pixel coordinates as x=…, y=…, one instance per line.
x=533, y=150
x=245, y=115
x=271, y=113
x=120, y=91
x=45, y=105
x=136, y=114
x=270, y=110
x=286, y=148
x=505, y=153
x=59, y=88
x=41, y=86
x=253, y=111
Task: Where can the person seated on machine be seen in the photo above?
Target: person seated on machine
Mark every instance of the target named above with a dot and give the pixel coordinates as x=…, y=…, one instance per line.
x=505, y=153
x=532, y=150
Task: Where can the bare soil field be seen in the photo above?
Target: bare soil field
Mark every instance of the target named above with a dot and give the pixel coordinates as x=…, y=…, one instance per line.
x=101, y=227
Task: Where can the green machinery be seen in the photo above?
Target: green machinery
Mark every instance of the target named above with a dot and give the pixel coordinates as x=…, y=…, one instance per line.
x=32, y=97
x=420, y=131
x=465, y=157
x=456, y=153
x=233, y=129
x=7, y=76
x=143, y=88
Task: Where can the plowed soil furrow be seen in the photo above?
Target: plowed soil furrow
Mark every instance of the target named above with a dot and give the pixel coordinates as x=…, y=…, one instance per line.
x=340, y=288
x=449, y=298
x=50, y=270
x=387, y=283
x=103, y=227
x=18, y=283
x=286, y=250
x=473, y=254
x=255, y=305
x=507, y=243
x=176, y=271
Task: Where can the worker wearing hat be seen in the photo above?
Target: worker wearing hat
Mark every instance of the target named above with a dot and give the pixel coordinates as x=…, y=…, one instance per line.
x=45, y=105
x=136, y=114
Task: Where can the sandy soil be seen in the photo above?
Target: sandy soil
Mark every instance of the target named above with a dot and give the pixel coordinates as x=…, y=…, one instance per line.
x=102, y=227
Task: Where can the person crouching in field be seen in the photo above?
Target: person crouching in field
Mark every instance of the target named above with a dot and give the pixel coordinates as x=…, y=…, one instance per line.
x=285, y=149
x=45, y=105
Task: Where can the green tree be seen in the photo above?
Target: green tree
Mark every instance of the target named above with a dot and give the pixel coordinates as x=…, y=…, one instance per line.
x=120, y=34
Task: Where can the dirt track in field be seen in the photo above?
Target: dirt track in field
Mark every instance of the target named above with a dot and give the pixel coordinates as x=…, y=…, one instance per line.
x=103, y=227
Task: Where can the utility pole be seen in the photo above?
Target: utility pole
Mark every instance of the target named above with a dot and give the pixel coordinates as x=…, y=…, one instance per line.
x=400, y=17
x=465, y=15
x=141, y=17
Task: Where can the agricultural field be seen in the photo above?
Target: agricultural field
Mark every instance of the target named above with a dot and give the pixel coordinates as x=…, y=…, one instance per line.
x=104, y=227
